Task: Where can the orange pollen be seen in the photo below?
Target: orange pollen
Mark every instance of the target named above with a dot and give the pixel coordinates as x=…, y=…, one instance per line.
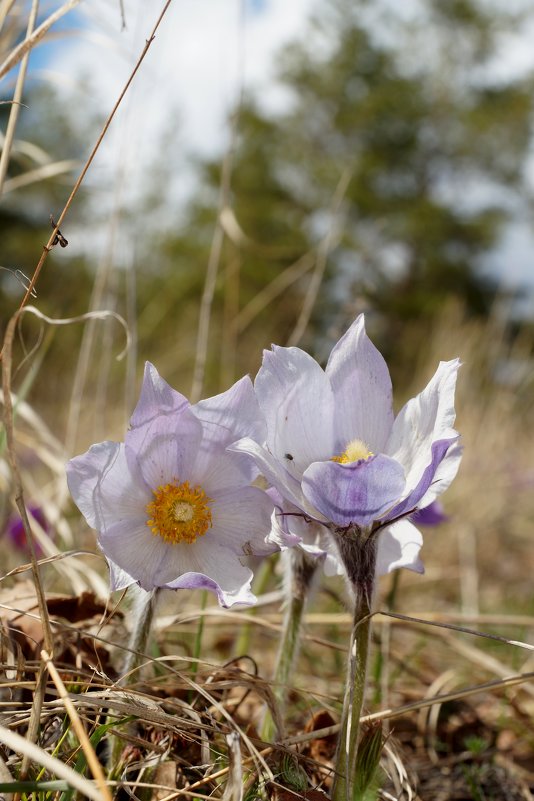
x=179, y=513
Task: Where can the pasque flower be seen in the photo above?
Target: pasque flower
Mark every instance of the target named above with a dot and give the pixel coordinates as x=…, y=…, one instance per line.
x=172, y=507
x=337, y=455
x=342, y=462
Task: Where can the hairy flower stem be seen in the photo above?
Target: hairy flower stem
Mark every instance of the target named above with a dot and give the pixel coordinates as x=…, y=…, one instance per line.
x=299, y=579
x=358, y=551
x=143, y=614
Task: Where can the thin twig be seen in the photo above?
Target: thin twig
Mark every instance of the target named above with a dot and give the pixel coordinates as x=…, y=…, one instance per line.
x=48, y=246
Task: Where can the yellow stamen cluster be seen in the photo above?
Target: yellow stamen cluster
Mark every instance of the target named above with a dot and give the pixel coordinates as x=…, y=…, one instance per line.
x=179, y=513
x=354, y=452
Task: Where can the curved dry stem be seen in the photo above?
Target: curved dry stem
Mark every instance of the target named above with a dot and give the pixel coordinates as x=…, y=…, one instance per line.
x=49, y=244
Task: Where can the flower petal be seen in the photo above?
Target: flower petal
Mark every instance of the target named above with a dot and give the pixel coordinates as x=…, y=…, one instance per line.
x=242, y=521
x=226, y=418
x=414, y=498
x=297, y=401
x=134, y=551
x=144, y=556
x=232, y=415
x=431, y=515
x=198, y=581
x=444, y=475
x=425, y=419
x=357, y=493
x=106, y=487
x=275, y=473
x=118, y=578
x=209, y=566
x=399, y=546
x=157, y=398
x=215, y=470
x=362, y=390
x=285, y=529
x=165, y=448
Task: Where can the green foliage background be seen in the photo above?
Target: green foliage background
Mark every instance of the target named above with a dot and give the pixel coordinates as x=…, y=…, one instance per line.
x=406, y=112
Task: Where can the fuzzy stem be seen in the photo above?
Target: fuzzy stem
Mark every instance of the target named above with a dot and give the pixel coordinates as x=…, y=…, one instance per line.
x=302, y=569
x=143, y=613
x=261, y=582
x=197, y=647
x=359, y=556
x=343, y=788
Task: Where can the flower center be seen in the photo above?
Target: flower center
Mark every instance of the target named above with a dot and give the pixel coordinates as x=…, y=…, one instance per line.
x=179, y=513
x=355, y=451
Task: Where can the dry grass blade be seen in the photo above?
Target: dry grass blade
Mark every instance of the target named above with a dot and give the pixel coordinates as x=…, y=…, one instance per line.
x=92, y=759
x=89, y=161
x=201, y=353
x=40, y=174
x=19, y=492
x=80, y=318
x=15, y=108
x=5, y=776
x=18, y=53
x=234, y=784
x=260, y=301
x=5, y=8
x=387, y=714
x=322, y=257
x=55, y=766
x=46, y=561
x=451, y=626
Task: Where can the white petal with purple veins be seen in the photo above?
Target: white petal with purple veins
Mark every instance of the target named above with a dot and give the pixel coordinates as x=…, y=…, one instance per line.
x=399, y=546
x=297, y=401
x=106, y=487
x=356, y=493
x=444, y=475
x=276, y=473
x=423, y=420
x=241, y=519
x=157, y=399
x=220, y=566
x=166, y=447
x=362, y=390
x=174, y=471
x=232, y=415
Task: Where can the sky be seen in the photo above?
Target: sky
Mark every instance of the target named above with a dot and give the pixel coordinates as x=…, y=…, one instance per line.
x=206, y=53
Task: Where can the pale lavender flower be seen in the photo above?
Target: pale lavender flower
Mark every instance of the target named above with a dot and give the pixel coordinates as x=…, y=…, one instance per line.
x=337, y=455
x=172, y=507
